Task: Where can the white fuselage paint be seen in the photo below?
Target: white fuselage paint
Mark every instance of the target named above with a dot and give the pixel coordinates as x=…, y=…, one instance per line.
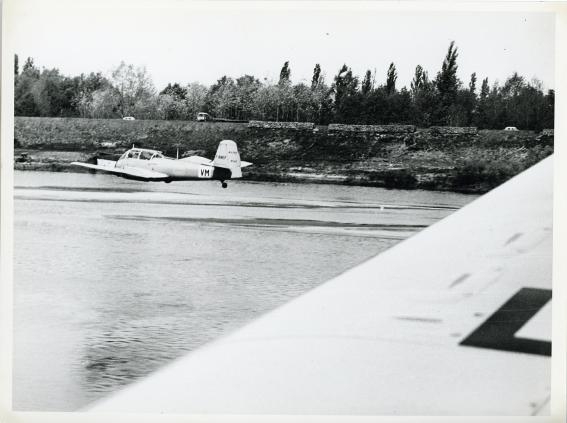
x=176, y=169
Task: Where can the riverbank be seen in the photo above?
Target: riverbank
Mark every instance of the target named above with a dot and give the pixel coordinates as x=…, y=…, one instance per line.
x=432, y=159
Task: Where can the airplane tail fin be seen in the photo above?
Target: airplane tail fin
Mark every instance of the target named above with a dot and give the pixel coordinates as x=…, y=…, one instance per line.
x=227, y=157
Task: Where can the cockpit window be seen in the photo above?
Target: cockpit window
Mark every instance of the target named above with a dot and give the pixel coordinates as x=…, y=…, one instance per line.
x=158, y=156
x=133, y=154
x=146, y=155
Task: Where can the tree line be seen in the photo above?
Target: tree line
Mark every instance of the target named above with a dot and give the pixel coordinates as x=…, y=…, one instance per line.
x=442, y=100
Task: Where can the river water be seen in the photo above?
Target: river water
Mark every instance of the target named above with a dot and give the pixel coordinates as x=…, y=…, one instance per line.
x=115, y=278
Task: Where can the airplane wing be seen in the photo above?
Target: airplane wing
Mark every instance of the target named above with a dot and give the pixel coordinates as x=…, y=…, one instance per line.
x=456, y=320
x=126, y=172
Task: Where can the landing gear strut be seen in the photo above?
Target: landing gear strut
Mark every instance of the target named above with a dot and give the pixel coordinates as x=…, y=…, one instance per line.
x=224, y=185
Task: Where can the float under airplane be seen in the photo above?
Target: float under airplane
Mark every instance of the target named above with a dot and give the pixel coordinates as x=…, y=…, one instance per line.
x=151, y=165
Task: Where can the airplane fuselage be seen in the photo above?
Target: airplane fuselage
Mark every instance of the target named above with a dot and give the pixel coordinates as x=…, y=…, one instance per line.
x=178, y=170
x=187, y=169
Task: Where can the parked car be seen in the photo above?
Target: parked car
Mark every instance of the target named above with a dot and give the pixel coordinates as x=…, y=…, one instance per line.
x=203, y=117
x=128, y=118
x=510, y=128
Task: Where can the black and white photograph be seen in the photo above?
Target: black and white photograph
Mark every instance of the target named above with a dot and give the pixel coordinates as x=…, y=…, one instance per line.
x=272, y=208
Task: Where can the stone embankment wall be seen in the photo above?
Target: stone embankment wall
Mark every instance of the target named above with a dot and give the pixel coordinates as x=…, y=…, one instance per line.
x=298, y=126
x=444, y=138
x=453, y=130
x=336, y=140
x=262, y=142
x=371, y=129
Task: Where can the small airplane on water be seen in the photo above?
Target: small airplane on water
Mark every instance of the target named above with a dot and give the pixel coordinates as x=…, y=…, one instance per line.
x=143, y=164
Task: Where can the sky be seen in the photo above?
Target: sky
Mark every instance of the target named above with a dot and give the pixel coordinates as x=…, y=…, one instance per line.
x=182, y=41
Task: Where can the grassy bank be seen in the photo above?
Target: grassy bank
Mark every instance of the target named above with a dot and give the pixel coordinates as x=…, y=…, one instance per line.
x=424, y=159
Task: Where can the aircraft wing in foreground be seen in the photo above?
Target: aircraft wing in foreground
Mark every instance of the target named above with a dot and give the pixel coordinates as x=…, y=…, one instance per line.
x=455, y=320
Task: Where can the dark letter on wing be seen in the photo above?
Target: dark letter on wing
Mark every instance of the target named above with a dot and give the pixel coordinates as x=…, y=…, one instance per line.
x=497, y=332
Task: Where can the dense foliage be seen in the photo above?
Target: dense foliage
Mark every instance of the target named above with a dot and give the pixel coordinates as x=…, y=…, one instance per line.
x=444, y=100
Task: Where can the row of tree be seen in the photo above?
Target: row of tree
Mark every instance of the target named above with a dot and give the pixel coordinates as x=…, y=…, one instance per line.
x=443, y=100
